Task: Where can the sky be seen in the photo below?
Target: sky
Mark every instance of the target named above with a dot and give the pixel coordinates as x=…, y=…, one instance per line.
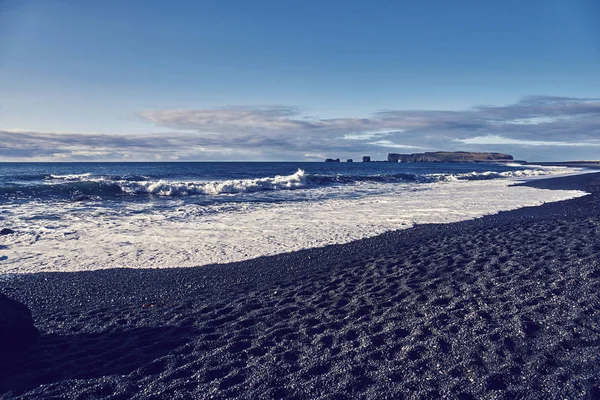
x=284, y=80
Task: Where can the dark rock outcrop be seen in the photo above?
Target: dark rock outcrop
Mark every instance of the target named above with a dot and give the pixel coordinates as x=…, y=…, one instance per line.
x=332, y=160
x=449, y=156
x=367, y=159
x=349, y=160
x=17, y=330
x=6, y=231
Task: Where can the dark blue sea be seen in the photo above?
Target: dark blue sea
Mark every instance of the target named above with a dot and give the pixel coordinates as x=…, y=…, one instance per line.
x=85, y=216
x=212, y=182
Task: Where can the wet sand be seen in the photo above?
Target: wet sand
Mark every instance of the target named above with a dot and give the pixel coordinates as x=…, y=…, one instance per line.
x=506, y=306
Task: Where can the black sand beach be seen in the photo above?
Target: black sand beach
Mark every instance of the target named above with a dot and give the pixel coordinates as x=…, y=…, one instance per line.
x=502, y=307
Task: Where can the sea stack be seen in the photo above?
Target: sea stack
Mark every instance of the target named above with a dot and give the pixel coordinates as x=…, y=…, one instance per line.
x=367, y=159
x=449, y=156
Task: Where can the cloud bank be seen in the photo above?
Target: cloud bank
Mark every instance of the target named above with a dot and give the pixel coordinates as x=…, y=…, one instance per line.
x=536, y=127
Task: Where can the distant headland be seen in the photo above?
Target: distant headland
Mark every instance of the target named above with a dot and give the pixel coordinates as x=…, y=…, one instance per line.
x=440, y=156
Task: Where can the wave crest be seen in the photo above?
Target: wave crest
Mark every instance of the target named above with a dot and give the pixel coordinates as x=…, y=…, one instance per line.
x=169, y=188
x=86, y=184
x=474, y=176
x=70, y=177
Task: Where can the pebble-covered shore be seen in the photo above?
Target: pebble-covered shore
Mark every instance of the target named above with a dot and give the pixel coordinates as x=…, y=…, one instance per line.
x=506, y=306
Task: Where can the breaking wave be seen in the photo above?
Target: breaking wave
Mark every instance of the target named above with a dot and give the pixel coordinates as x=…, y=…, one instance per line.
x=70, y=177
x=474, y=176
x=170, y=188
x=77, y=185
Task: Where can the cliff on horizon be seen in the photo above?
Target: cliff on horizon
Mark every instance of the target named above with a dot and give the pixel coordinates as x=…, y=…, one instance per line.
x=449, y=156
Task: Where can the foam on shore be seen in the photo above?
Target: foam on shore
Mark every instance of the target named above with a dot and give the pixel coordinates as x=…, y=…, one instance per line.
x=79, y=236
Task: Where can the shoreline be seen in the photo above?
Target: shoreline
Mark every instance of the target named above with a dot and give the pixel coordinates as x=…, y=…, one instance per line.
x=483, y=307
x=191, y=236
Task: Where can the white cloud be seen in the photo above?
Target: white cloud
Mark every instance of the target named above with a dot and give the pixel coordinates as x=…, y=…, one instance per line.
x=283, y=133
x=387, y=143
x=493, y=139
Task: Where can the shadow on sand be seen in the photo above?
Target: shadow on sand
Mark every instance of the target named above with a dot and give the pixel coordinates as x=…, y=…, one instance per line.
x=89, y=355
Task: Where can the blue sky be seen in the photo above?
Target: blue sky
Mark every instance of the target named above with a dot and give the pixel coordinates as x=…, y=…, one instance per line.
x=297, y=80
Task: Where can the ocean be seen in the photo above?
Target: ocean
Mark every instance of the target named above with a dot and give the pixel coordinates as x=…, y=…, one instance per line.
x=85, y=216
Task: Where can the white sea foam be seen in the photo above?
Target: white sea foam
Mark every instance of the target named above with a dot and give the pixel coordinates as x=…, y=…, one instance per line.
x=71, y=177
x=81, y=236
x=164, y=187
x=170, y=188
x=520, y=173
x=298, y=180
